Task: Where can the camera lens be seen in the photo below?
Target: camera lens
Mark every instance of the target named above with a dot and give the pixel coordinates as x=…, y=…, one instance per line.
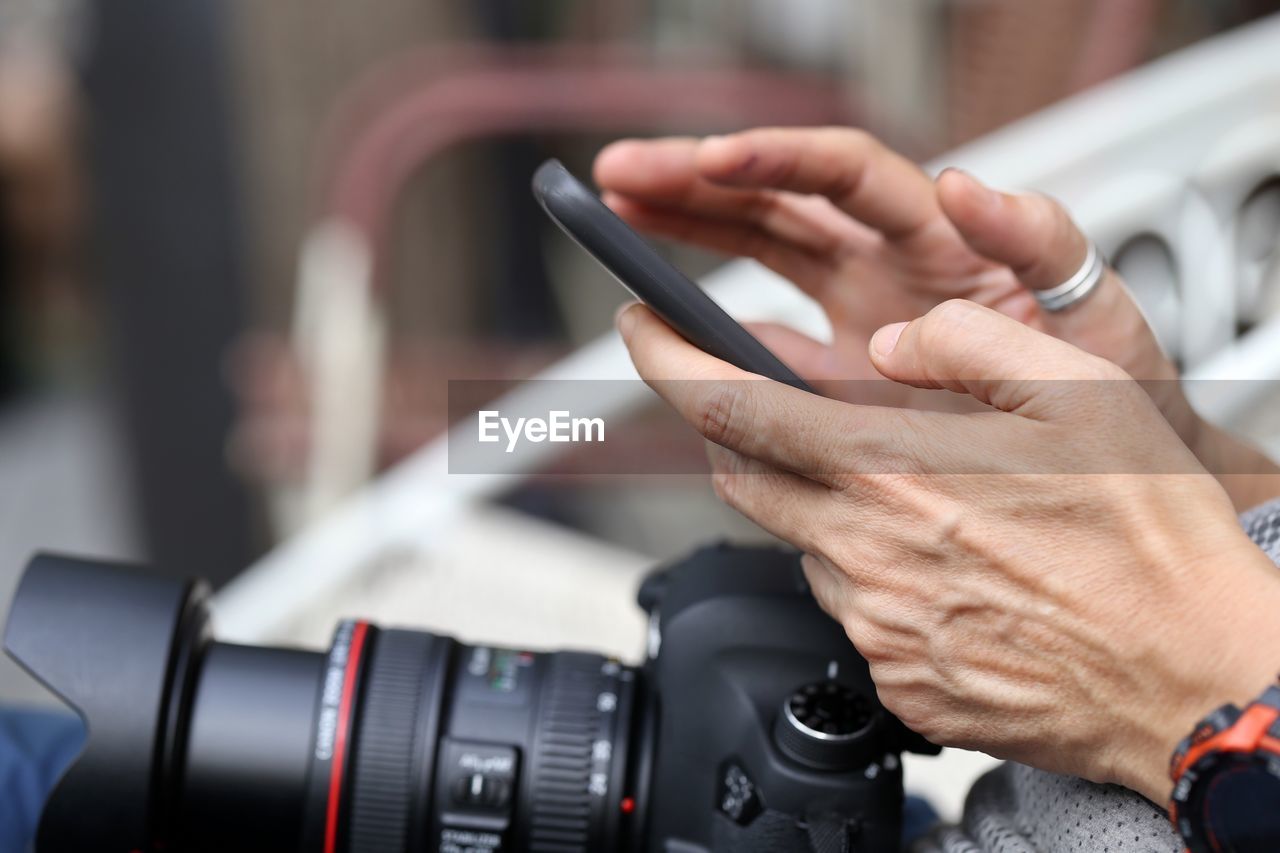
x=424, y=743
x=391, y=741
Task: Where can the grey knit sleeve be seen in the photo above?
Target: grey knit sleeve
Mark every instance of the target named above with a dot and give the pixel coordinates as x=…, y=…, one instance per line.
x=1262, y=523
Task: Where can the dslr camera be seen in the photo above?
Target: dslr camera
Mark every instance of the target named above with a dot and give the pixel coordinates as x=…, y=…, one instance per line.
x=753, y=725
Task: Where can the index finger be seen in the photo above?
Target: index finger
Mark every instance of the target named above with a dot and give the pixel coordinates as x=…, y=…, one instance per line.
x=872, y=183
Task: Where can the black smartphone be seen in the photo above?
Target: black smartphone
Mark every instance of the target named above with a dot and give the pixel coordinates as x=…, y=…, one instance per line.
x=668, y=292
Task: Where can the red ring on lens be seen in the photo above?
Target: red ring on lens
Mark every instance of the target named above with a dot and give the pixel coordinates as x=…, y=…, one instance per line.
x=337, y=772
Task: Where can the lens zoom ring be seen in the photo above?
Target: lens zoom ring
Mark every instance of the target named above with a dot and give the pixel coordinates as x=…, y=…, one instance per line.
x=382, y=778
x=560, y=819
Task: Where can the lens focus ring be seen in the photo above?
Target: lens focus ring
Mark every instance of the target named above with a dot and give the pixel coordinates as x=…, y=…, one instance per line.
x=585, y=697
x=384, y=774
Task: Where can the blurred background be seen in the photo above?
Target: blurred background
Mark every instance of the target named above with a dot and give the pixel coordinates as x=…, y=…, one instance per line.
x=176, y=177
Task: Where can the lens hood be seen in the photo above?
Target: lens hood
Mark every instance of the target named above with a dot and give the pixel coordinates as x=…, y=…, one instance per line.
x=119, y=645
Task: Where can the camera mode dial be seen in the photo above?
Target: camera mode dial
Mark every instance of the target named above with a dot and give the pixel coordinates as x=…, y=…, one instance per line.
x=828, y=726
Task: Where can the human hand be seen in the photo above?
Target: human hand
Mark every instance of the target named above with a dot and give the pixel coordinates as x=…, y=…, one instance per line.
x=1054, y=580
x=874, y=240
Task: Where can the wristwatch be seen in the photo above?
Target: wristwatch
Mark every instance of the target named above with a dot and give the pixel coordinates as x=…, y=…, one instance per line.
x=1226, y=780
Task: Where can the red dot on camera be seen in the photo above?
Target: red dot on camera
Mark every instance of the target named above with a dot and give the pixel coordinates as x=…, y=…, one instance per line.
x=628, y=805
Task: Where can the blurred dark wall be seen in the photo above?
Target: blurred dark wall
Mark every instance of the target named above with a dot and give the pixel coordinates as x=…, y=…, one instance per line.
x=522, y=305
x=7, y=370
x=168, y=262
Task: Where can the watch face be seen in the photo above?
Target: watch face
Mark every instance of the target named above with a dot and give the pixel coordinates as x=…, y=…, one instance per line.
x=1240, y=809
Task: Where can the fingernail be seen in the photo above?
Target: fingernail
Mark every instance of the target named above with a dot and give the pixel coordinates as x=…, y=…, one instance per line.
x=615, y=149
x=712, y=145
x=721, y=159
x=619, y=144
x=980, y=192
x=625, y=319
x=886, y=338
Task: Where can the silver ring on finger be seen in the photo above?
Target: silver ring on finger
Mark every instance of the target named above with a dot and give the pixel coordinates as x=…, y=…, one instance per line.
x=1075, y=289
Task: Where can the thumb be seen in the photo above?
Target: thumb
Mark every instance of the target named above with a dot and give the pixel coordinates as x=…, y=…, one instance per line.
x=964, y=347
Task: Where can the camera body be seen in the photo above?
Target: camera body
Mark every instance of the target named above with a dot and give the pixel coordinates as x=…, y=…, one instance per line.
x=752, y=726
x=735, y=767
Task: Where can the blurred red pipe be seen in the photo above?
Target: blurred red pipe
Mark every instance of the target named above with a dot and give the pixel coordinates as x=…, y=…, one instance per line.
x=1117, y=39
x=414, y=108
